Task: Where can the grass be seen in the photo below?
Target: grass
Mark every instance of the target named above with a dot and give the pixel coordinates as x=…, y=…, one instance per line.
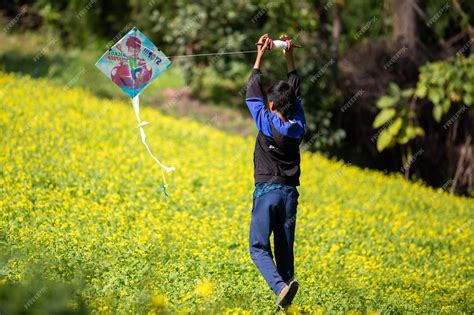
x=81, y=199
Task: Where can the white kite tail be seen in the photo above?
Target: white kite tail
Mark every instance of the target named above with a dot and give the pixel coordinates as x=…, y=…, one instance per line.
x=136, y=108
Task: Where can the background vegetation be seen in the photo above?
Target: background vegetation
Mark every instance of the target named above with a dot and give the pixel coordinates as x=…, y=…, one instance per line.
x=352, y=51
x=84, y=226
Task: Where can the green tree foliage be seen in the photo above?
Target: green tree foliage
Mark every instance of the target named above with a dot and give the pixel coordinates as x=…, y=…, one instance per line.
x=443, y=83
x=447, y=83
x=399, y=116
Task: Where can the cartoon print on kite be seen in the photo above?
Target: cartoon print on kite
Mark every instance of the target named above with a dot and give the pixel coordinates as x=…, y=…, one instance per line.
x=136, y=72
x=133, y=62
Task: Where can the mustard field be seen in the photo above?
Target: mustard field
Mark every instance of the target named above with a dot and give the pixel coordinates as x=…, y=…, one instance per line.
x=81, y=199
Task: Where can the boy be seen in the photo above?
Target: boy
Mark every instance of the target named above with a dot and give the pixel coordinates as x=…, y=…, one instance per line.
x=281, y=127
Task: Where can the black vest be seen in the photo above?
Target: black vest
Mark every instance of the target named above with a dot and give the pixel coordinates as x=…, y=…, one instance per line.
x=277, y=160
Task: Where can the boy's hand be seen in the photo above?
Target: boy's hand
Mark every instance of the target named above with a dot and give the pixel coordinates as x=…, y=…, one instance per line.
x=287, y=52
x=262, y=48
x=263, y=44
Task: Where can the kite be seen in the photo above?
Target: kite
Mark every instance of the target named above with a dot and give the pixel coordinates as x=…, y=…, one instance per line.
x=132, y=64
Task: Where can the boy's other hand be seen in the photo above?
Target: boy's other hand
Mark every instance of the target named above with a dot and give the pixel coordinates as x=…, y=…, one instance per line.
x=286, y=52
x=263, y=44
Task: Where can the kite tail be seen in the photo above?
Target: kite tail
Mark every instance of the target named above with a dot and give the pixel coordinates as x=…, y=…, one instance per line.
x=136, y=108
x=163, y=186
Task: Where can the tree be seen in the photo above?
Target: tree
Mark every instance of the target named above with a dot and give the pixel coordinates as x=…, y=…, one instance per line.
x=404, y=23
x=449, y=87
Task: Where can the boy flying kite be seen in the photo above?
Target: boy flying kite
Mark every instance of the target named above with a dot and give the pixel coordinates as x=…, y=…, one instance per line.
x=281, y=127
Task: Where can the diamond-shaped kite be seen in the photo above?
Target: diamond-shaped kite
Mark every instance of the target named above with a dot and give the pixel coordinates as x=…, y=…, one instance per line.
x=132, y=63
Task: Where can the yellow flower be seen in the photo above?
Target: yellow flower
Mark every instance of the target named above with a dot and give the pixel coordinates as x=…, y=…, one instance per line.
x=204, y=288
x=292, y=310
x=159, y=301
x=104, y=309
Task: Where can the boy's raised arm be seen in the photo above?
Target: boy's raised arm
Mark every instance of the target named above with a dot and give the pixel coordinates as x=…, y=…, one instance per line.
x=254, y=85
x=294, y=81
x=293, y=78
x=254, y=97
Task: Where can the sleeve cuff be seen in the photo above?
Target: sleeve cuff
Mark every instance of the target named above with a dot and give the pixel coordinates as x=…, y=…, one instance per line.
x=292, y=72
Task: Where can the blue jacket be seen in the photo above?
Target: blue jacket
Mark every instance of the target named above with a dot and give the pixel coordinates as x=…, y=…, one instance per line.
x=277, y=155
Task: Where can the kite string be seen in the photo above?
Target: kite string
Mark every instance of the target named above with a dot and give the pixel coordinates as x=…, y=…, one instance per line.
x=214, y=54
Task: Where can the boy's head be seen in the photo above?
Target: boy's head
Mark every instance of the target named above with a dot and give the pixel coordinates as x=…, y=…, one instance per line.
x=281, y=98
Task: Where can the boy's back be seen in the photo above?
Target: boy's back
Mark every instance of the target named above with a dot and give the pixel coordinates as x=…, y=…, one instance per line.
x=281, y=127
x=277, y=155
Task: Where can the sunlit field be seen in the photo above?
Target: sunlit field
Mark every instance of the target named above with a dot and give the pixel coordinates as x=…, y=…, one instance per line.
x=81, y=199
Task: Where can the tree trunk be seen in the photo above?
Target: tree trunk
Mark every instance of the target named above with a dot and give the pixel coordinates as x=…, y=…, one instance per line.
x=336, y=35
x=404, y=24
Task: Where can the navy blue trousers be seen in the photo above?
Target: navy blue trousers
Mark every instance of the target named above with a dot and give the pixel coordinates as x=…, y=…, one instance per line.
x=275, y=211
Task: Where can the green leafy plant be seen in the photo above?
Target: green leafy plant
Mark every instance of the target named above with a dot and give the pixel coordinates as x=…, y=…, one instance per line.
x=449, y=84
x=398, y=116
x=445, y=83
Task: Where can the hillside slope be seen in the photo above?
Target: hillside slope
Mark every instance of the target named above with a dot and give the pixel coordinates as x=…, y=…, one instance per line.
x=80, y=195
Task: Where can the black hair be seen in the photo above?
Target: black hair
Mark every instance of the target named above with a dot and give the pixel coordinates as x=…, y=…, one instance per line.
x=282, y=96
